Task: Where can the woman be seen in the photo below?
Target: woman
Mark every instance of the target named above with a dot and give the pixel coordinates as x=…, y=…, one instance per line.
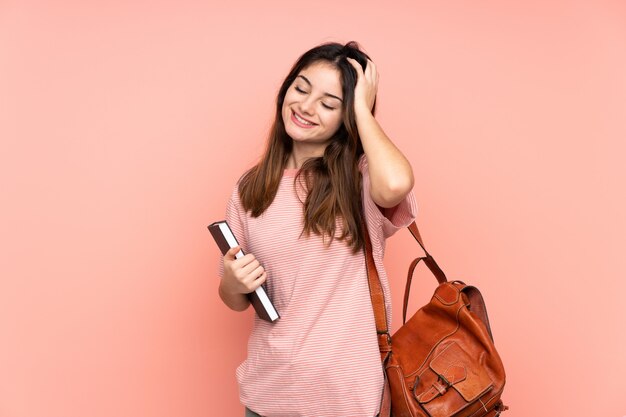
x=297, y=214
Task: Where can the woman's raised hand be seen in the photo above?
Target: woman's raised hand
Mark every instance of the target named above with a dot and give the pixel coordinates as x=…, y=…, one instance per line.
x=367, y=84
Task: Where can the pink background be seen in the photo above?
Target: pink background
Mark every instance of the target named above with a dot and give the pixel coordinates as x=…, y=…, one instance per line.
x=124, y=127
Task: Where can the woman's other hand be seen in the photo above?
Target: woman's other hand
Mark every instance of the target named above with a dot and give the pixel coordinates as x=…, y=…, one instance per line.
x=366, y=85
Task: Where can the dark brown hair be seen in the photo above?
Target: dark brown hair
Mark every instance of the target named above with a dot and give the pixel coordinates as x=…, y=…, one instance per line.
x=332, y=181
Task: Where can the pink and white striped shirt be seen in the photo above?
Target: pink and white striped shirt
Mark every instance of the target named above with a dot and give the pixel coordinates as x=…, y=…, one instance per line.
x=320, y=359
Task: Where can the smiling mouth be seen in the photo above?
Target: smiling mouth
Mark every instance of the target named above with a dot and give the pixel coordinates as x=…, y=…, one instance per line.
x=299, y=119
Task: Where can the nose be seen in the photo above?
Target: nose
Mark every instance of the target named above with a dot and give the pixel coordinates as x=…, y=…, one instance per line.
x=307, y=105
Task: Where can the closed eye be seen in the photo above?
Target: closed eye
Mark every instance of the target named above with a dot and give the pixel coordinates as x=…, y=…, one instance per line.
x=301, y=91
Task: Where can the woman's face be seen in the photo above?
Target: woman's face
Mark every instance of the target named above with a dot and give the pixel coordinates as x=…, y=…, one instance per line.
x=312, y=110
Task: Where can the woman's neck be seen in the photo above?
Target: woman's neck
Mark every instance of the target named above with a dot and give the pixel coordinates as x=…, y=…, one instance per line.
x=302, y=152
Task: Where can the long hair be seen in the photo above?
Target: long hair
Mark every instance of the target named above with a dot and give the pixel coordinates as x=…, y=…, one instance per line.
x=332, y=181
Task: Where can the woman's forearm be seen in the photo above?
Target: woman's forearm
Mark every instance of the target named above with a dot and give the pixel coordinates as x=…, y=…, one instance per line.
x=234, y=301
x=390, y=172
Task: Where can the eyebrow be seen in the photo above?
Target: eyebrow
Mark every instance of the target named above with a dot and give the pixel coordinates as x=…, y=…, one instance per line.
x=326, y=94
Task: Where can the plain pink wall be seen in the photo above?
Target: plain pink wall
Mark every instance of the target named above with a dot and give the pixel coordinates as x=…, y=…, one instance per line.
x=124, y=127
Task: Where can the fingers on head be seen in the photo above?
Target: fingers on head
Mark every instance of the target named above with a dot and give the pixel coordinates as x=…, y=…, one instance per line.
x=355, y=64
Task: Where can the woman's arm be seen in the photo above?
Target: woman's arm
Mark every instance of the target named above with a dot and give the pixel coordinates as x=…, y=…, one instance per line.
x=390, y=172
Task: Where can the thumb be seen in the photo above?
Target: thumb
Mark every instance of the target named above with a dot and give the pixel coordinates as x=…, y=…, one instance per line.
x=230, y=255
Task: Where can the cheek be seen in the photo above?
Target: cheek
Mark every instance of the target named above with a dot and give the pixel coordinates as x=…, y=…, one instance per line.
x=289, y=97
x=285, y=111
x=335, y=121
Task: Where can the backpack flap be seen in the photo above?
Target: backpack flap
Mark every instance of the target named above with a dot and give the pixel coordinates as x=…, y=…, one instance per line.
x=451, y=382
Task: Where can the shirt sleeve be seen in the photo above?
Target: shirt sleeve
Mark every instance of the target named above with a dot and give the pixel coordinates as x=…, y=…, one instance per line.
x=389, y=219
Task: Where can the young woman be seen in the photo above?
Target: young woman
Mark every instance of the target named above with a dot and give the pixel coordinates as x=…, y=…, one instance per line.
x=297, y=214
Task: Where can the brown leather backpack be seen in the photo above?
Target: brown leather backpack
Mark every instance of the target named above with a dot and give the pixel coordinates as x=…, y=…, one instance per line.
x=443, y=361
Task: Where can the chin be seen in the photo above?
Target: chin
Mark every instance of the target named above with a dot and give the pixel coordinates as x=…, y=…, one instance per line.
x=295, y=134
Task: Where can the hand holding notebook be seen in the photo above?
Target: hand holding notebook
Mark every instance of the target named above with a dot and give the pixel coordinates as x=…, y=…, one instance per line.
x=226, y=240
